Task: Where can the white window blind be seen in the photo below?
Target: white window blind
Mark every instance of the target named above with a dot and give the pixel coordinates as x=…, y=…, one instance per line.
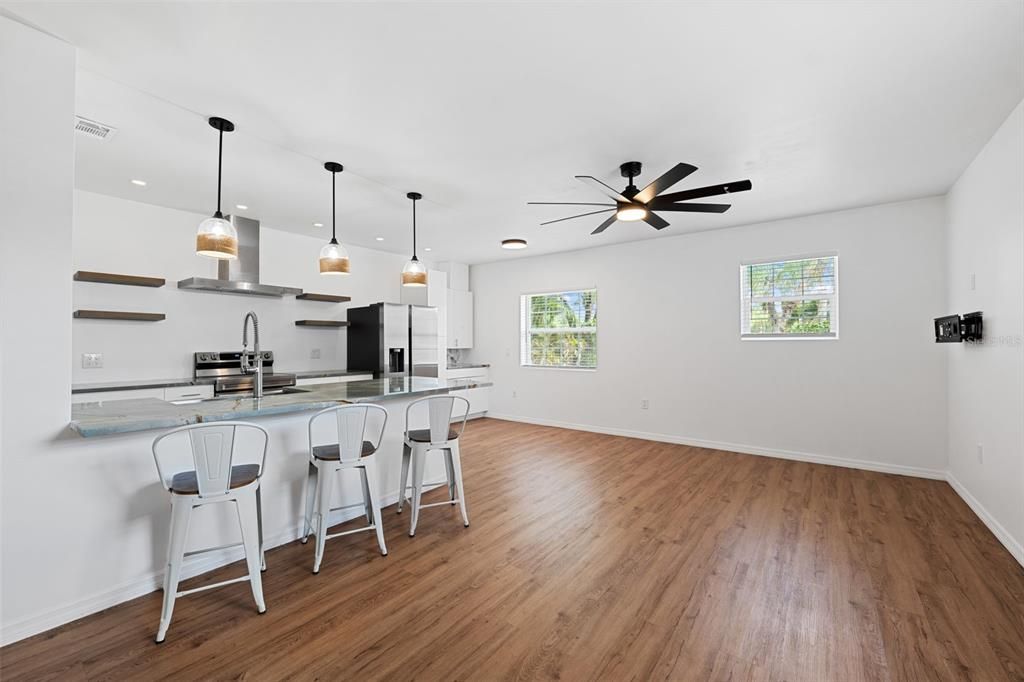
x=790, y=299
x=559, y=329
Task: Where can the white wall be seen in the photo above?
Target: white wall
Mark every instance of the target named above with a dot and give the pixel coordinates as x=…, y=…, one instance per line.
x=114, y=235
x=37, y=88
x=986, y=382
x=669, y=333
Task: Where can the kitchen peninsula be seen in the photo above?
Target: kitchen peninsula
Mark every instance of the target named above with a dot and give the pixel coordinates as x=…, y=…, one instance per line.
x=117, y=490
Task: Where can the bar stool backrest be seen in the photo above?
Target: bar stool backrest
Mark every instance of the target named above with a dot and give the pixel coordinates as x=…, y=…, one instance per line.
x=439, y=414
x=350, y=423
x=212, y=450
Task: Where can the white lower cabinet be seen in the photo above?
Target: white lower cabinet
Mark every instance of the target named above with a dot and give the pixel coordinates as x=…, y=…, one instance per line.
x=479, y=398
x=313, y=381
x=135, y=393
x=188, y=392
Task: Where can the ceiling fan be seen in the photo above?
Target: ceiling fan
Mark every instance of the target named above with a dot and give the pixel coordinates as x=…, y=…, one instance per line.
x=639, y=204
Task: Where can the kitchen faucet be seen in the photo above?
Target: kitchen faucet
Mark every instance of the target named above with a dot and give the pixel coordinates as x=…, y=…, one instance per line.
x=246, y=359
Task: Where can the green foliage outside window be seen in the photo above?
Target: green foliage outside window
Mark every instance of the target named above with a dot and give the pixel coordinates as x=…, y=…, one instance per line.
x=790, y=297
x=560, y=329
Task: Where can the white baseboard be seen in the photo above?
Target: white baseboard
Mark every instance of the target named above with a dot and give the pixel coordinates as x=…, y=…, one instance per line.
x=1008, y=541
x=867, y=465
x=151, y=582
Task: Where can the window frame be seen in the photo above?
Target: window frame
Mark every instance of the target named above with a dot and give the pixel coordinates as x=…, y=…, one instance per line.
x=524, y=332
x=834, y=310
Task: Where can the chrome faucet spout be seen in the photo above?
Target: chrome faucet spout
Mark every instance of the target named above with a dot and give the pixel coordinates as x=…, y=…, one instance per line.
x=247, y=357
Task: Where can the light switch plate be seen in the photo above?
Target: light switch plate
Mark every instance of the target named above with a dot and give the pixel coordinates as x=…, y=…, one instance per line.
x=92, y=360
x=314, y=354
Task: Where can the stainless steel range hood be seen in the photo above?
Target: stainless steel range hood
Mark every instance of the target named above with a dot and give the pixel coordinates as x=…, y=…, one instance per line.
x=242, y=275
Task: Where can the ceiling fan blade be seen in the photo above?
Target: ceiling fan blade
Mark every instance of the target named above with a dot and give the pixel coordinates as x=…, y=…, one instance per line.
x=603, y=188
x=696, y=208
x=700, y=192
x=605, y=225
x=604, y=210
x=563, y=203
x=667, y=179
x=657, y=222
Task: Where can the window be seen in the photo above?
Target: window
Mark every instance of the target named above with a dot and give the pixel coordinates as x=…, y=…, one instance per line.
x=559, y=329
x=790, y=299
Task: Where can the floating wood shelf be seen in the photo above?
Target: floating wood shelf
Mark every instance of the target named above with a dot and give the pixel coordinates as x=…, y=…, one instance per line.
x=118, y=315
x=326, y=298
x=111, y=278
x=321, y=323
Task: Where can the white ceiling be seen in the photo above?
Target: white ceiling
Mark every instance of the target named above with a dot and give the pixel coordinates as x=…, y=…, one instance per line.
x=485, y=106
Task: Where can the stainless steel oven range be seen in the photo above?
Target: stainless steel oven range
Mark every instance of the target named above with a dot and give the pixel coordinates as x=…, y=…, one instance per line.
x=225, y=369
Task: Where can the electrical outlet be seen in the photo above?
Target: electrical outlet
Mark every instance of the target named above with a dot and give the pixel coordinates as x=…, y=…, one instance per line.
x=92, y=360
x=981, y=453
x=974, y=281
x=645, y=404
x=513, y=394
x=314, y=354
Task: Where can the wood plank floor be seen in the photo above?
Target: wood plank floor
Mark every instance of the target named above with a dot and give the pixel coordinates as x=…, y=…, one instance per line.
x=600, y=557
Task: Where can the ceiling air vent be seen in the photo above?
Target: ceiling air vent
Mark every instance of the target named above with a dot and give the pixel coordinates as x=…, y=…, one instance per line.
x=100, y=131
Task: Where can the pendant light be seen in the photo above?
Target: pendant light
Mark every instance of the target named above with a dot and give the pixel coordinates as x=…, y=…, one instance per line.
x=414, y=274
x=333, y=257
x=217, y=237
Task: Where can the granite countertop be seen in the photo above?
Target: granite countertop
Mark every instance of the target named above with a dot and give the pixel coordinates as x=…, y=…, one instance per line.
x=317, y=373
x=142, y=414
x=130, y=384
x=466, y=365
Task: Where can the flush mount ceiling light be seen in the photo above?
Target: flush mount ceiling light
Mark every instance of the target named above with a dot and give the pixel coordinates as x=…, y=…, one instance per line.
x=380, y=239
x=216, y=237
x=241, y=207
x=318, y=224
x=333, y=257
x=414, y=274
x=513, y=244
x=140, y=183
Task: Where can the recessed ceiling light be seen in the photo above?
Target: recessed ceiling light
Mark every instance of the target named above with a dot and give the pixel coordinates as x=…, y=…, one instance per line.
x=318, y=224
x=380, y=239
x=427, y=249
x=513, y=244
x=140, y=183
x=241, y=207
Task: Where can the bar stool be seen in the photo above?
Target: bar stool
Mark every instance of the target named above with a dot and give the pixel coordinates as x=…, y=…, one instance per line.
x=351, y=451
x=439, y=436
x=213, y=479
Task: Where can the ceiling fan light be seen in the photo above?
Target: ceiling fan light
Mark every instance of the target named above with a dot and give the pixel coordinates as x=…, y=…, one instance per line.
x=631, y=212
x=333, y=259
x=217, y=238
x=414, y=274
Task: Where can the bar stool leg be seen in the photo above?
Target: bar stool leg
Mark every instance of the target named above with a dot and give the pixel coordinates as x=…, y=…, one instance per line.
x=367, y=508
x=181, y=512
x=449, y=470
x=259, y=521
x=457, y=465
x=418, y=461
x=372, y=488
x=248, y=521
x=325, y=486
x=312, y=487
x=404, y=478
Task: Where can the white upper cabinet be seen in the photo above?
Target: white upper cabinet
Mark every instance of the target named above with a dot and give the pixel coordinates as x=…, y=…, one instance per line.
x=460, y=319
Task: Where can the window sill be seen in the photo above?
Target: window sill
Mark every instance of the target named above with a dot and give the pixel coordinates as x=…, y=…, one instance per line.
x=784, y=337
x=571, y=369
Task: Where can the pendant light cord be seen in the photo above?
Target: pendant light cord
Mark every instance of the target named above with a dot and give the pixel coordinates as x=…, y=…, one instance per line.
x=414, y=229
x=220, y=161
x=334, y=210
